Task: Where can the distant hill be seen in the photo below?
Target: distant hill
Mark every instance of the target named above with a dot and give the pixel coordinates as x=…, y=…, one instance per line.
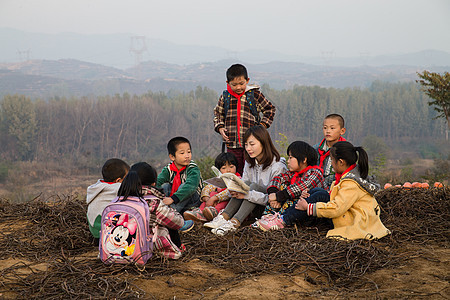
x=70, y=77
x=115, y=50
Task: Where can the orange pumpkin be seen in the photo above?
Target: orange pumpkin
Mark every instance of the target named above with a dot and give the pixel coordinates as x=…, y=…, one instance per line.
x=407, y=185
x=425, y=185
x=387, y=185
x=438, y=184
x=398, y=185
x=416, y=184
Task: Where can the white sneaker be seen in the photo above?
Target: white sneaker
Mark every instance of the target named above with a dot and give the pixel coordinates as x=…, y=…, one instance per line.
x=225, y=228
x=216, y=222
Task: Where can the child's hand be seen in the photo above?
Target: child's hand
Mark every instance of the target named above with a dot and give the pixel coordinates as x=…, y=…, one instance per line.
x=223, y=133
x=304, y=194
x=275, y=204
x=272, y=197
x=205, y=199
x=167, y=200
x=237, y=195
x=212, y=201
x=301, y=204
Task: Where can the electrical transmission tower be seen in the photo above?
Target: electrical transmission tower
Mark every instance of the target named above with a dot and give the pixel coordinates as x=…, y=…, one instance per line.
x=327, y=57
x=24, y=55
x=138, y=46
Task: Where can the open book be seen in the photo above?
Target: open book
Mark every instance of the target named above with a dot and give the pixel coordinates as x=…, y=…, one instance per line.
x=229, y=181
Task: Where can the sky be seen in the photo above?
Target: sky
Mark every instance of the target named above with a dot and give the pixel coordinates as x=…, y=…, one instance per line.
x=342, y=28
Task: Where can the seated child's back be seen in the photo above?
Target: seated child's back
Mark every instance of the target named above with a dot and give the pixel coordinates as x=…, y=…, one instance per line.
x=103, y=191
x=164, y=220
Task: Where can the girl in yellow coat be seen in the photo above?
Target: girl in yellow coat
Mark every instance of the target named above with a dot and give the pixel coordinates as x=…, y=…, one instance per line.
x=352, y=207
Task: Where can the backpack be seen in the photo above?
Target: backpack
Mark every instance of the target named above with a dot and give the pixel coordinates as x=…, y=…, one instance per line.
x=124, y=233
x=249, y=97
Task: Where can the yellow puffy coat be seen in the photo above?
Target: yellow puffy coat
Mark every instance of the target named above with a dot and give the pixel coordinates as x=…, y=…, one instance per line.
x=353, y=208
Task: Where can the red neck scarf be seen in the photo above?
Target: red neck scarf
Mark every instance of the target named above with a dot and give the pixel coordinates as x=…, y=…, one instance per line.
x=339, y=175
x=177, y=180
x=297, y=174
x=238, y=97
x=324, y=154
x=107, y=182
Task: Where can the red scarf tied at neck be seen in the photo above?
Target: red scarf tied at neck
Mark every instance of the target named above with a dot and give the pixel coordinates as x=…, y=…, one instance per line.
x=297, y=174
x=339, y=175
x=177, y=180
x=238, y=97
x=324, y=154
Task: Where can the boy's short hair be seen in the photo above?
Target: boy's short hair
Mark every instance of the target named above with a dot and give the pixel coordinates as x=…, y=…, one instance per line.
x=147, y=174
x=236, y=70
x=113, y=169
x=301, y=150
x=337, y=117
x=174, y=142
x=224, y=158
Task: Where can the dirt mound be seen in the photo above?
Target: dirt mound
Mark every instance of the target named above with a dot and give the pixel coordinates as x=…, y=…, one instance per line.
x=48, y=253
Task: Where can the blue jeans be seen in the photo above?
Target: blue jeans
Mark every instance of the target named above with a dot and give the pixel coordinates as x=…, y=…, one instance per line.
x=182, y=206
x=292, y=215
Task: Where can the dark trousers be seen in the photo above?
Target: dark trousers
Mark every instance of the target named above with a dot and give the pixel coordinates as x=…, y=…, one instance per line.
x=181, y=207
x=175, y=237
x=292, y=215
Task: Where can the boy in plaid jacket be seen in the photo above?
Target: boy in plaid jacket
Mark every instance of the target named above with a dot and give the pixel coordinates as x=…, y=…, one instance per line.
x=239, y=108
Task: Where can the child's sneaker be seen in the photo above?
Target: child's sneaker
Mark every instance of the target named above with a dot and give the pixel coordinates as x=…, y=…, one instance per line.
x=225, y=228
x=263, y=217
x=188, y=225
x=271, y=223
x=216, y=222
x=194, y=215
x=210, y=212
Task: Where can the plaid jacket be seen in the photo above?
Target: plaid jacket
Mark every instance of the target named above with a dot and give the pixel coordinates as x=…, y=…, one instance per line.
x=161, y=218
x=281, y=184
x=229, y=121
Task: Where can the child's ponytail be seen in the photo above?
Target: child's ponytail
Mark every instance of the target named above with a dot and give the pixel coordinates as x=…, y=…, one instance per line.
x=131, y=186
x=351, y=155
x=363, y=162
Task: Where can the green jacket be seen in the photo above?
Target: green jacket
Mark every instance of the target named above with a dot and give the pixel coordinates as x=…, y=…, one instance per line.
x=191, y=178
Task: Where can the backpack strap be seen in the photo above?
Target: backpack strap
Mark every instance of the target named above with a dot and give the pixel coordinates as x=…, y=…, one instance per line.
x=226, y=102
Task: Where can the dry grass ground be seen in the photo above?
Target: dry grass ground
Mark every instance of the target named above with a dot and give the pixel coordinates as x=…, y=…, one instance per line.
x=48, y=253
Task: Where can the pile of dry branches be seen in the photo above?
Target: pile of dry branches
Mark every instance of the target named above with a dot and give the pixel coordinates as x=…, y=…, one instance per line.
x=53, y=231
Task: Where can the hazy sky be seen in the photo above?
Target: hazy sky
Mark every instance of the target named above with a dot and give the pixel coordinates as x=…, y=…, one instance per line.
x=309, y=28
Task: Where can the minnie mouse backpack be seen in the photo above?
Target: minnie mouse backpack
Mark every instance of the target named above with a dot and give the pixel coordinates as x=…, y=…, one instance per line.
x=124, y=233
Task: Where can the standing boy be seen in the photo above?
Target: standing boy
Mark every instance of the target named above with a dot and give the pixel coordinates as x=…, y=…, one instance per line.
x=333, y=129
x=100, y=194
x=238, y=109
x=180, y=179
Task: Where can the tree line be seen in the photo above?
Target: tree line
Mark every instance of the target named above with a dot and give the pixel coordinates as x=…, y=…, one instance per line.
x=137, y=127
